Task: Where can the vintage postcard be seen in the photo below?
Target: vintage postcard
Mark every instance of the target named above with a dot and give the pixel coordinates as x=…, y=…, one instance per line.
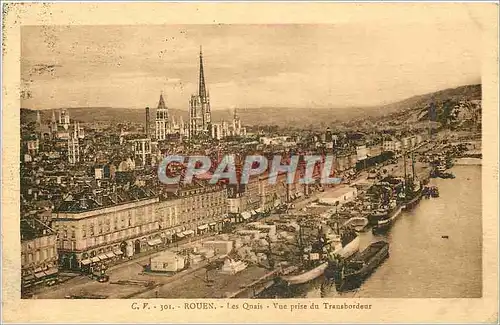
x=250, y=162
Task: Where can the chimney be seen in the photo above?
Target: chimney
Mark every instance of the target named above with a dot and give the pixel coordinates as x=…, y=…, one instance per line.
x=147, y=122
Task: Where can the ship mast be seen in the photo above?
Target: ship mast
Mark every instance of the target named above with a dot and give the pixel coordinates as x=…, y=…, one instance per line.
x=404, y=167
x=301, y=244
x=270, y=258
x=413, y=167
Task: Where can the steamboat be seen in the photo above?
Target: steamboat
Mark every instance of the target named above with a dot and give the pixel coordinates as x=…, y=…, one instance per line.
x=385, y=224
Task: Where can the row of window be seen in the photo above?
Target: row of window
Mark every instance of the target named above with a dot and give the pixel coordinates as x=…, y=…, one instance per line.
x=123, y=234
x=126, y=219
x=103, y=239
x=40, y=242
x=38, y=256
x=108, y=228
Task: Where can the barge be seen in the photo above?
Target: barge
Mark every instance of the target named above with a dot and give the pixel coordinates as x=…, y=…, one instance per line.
x=349, y=275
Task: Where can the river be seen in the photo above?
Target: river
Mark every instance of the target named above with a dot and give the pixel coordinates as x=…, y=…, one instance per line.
x=422, y=264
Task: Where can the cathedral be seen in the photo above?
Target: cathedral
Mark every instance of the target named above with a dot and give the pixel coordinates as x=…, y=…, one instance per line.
x=200, y=116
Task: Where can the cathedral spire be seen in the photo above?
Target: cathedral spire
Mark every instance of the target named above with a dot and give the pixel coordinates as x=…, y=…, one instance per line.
x=161, y=103
x=201, y=89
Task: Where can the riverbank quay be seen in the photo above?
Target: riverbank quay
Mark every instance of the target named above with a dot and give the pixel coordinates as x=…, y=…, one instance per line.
x=204, y=283
x=418, y=234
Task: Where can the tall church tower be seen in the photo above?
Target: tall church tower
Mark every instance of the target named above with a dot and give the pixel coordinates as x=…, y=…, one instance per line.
x=74, y=146
x=200, y=115
x=162, y=128
x=53, y=125
x=204, y=96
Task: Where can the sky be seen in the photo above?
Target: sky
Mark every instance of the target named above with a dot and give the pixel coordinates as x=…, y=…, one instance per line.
x=316, y=65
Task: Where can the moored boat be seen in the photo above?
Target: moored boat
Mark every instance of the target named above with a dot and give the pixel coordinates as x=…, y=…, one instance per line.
x=350, y=274
x=385, y=224
x=379, y=214
x=345, y=247
x=413, y=201
x=434, y=191
x=382, y=226
x=305, y=276
x=430, y=191
x=357, y=223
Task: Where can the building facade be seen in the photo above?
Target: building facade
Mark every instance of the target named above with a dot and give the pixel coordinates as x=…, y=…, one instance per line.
x=392, y=145
x=178, y=127
x=245, y=197
x=89, y=239
x=38, y=253
x=272, y=194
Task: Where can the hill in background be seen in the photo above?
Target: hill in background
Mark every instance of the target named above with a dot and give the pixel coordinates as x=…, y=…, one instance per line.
x=280, y=116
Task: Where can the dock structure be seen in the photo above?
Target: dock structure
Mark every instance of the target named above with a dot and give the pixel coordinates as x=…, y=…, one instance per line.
x=256, y=287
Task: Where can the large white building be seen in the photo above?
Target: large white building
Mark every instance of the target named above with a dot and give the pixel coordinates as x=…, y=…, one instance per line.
x=64, y=119
x=406, y=143
x=91, y=232
x=392, y=145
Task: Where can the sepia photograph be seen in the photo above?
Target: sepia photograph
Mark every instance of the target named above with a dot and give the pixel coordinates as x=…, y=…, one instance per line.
x=258, y=163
